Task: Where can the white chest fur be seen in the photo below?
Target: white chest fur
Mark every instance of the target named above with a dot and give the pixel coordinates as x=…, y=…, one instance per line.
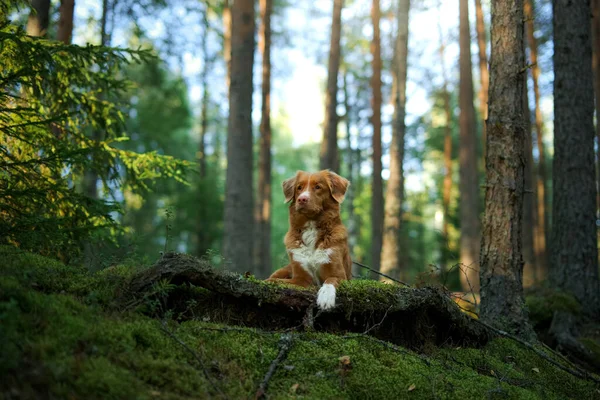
x=307, y=255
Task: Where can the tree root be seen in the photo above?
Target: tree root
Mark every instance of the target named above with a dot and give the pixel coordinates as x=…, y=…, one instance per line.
x=410, y=317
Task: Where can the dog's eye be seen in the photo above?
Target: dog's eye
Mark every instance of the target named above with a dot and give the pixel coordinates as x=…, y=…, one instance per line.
x=300, y=187
x=318, y=187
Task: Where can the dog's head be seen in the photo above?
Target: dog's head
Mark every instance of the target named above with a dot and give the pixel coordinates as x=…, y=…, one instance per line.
x=313, y=193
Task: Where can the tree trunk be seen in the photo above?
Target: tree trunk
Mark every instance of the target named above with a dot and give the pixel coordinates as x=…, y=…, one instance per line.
x=329, y=147
x=227, y=40
x=263, y=209
x=39, y=18
x=447, y=184
x=351, y=223
x=574, y=267
x=469, y=182
x=502, y=303
x=377, y=182
x=202, y=241
x=239, y=211
x=596, y=67
x=483, y=67
x=65, y=22
x=391, y=250
x=542, y=195
x=529, y=273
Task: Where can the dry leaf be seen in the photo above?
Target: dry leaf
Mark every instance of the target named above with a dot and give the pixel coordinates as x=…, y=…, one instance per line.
x=537, y=370
x=294, y=388
x=412, y=387
x=492, y=372
x=344, y=360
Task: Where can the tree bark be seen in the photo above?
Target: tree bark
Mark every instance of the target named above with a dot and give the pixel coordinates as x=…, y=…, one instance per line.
x=596, y=67
x=391, y=256
x=529, y=267
x=469, y=182
x=39, y=18
x=239, y=215
x=574, y=267
x=329, y=147
x=483, y=68
x=377, y=181
x=542, y=194
x=502, y=303
x=65, y=21
x=262, y=256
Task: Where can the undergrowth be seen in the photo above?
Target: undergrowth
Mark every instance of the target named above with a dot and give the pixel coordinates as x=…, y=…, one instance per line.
x=60, y=339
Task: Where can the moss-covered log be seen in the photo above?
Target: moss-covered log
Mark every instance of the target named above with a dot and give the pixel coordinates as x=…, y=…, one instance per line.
x=411, y=317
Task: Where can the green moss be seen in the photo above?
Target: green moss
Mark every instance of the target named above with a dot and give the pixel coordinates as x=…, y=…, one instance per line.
x=364, y=293
x=592, y=345
x=543, y=302
x=80, y=349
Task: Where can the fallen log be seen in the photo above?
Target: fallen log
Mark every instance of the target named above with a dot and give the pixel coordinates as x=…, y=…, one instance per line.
x=412, y=317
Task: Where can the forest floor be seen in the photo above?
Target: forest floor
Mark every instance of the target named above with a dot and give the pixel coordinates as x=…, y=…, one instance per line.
x=61, y=336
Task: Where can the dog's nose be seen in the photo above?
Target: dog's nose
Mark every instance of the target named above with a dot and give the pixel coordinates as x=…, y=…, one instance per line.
x=302, y=200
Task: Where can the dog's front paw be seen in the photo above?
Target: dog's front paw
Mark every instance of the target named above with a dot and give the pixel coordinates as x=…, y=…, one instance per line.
x=326, y=297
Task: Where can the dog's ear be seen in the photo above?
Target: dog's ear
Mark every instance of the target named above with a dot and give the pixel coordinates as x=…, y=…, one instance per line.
x=337, y=186
x=289, y=187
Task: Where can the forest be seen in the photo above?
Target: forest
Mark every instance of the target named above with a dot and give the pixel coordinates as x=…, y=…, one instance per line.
x=145, y=147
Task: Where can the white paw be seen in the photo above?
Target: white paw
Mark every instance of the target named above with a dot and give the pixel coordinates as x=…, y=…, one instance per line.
x=326, y=297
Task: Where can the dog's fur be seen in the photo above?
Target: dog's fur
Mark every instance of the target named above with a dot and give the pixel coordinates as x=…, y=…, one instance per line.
x=317, y=241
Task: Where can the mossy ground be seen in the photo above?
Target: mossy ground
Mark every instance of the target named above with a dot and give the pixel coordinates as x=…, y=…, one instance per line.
x=59, y=339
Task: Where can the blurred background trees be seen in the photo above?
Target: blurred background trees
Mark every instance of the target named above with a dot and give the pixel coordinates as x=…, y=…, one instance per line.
x=382, y=91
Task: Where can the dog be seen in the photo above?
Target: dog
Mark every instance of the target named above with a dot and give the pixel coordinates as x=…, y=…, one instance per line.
x=317, y=241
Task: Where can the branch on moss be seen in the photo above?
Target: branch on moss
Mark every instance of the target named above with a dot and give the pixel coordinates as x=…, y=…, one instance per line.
x=578, y=372
x=285, y=345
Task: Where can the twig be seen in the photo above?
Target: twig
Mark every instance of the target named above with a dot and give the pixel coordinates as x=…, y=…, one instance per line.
x=194, y=354
x=381, y=274
x=469, y=283
x=379, y=323
x=579, y=373
x=285, y=345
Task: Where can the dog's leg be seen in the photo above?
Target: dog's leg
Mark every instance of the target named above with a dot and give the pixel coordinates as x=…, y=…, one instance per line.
x=331, y=276
x=281, y=273
x=299, y=276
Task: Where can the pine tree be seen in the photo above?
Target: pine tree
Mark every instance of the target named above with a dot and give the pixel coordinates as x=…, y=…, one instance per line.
x=239, y=211
x=502, y=302
x=51, y=96
x=262, y=256
x=469, y=183
x=377, y=182
x=391, y=250
x=574, y=267
x=329, y=146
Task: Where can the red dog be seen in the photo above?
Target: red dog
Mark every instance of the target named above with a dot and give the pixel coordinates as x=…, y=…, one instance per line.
x=316, y=242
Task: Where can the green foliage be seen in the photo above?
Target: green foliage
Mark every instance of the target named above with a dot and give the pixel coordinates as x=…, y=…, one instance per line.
x=54, y=99
x=55, y=341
